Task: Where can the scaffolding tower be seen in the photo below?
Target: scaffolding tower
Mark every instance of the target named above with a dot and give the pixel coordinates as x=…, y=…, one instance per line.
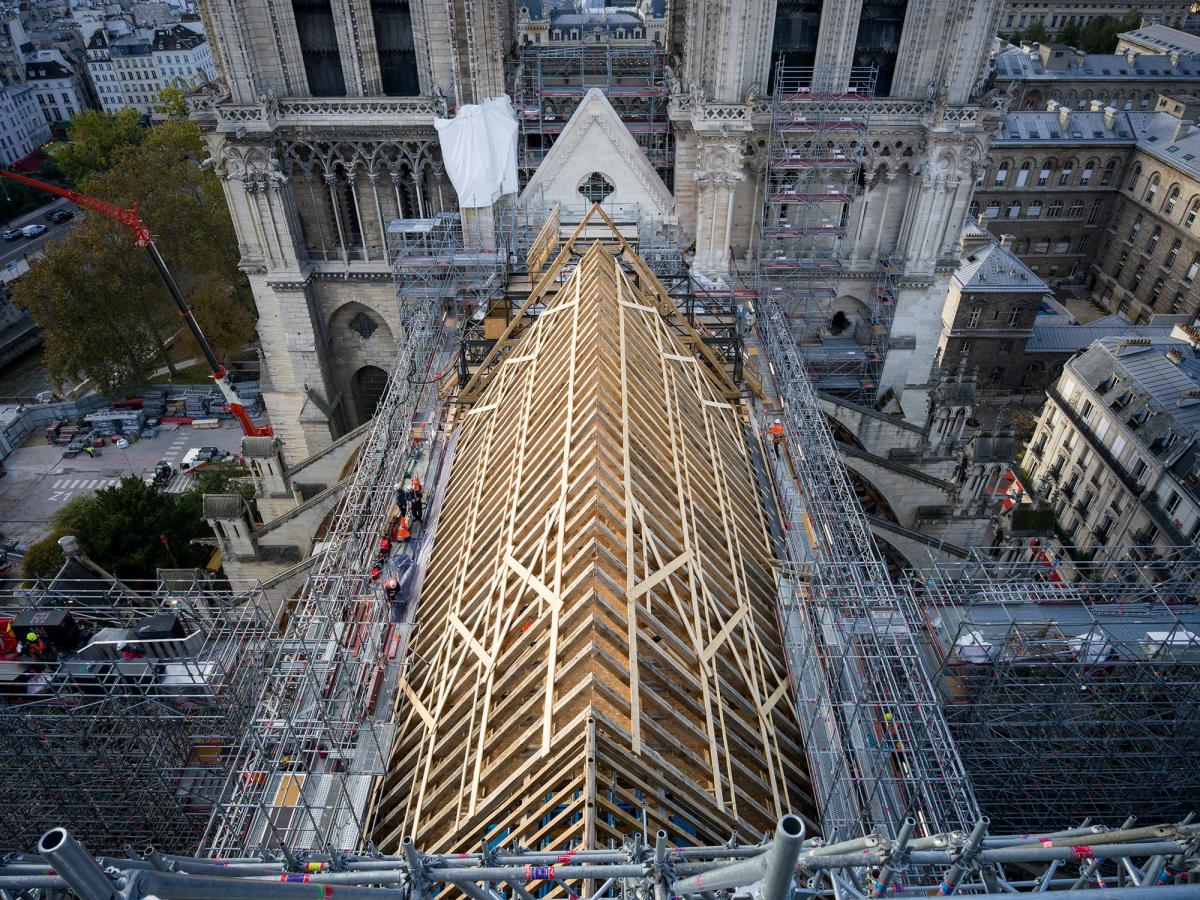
x=813, y=175
x=322, y=731
x=127, y=724
x=548, y=83
x=878, y=746
x=1070, y=697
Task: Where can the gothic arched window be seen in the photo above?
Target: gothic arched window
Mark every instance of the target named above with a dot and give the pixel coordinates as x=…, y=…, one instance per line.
x=596, y=187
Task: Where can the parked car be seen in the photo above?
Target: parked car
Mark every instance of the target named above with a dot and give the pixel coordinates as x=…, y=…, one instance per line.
x=11, y=234
x=61, y=215
x=32, y=231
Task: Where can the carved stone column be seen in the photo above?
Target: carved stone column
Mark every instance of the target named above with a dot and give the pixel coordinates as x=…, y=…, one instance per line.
x=719, y=170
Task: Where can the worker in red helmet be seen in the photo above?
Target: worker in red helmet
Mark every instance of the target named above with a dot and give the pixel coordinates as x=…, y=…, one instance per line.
x=376, y=571
x=391, y=588
x=385, y=548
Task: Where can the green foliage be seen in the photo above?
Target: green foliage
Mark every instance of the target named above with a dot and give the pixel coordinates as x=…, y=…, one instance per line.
x=1036, y=32
x=1100, y=34
x=105, y=311
x=43, y=559
x=219, y=478
x=121, y=528
x=170, y=102
x=95, y=138
x=1069, y=34
x=17, y=199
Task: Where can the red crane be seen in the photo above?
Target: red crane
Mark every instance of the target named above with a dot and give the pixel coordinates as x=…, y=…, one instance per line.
x=141, y=235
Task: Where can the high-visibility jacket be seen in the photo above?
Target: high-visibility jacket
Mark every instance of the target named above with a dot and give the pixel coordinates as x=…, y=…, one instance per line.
x=402, y=533
x=776, y=431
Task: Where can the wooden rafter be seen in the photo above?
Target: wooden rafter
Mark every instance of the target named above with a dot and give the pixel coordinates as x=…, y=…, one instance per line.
x=651, y=290
x=597, y=652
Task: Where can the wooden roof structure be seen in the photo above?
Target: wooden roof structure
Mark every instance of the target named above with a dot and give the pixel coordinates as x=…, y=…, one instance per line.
x=597, y=653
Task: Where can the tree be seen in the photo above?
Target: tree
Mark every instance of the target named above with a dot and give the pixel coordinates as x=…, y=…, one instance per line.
x=100, y=301
x=170, y=102
x=122, y=527
x=1069, y=34
x=1036, y=32
x=1100, y=34
x=94, y=138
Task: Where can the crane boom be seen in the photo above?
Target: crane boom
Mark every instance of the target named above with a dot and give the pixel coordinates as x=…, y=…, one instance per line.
x=131, y=219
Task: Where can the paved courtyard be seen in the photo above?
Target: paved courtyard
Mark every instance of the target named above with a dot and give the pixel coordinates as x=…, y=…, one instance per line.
x=40, y=481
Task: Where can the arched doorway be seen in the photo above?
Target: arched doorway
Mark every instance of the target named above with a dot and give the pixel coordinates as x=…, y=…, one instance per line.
x=367, y=387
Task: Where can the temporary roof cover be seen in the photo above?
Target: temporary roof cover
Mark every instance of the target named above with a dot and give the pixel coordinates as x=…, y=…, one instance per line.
x=479, y=148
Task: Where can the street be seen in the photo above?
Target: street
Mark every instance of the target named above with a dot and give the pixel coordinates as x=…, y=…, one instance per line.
x=11, y=251
x=40, y=481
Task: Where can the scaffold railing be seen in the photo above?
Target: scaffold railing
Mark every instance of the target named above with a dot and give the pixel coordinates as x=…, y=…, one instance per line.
x=813, y=175
x=1071, y=690
x=126, y=719
x=877, y=743
x=1155, y=862
x=547, y=84
x=322, y=730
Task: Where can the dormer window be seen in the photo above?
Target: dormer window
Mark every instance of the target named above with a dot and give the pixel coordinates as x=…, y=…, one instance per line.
x=1123, y=401
x=1137, y=420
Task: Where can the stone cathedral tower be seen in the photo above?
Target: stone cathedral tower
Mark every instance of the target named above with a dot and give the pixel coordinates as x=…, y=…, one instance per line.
x=322, y=129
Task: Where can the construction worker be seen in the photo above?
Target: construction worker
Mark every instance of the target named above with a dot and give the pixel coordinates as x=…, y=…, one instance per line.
x=376, y=571
x=415, y=502
x=402, y=534
x=391, y=588
x=776, y=432
x=128, y=652
x=89, y=450
x=385, y=548
x=401, y=497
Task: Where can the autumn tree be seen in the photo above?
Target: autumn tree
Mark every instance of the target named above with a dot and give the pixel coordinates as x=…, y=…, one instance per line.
x=93, y=140
x=106, y=314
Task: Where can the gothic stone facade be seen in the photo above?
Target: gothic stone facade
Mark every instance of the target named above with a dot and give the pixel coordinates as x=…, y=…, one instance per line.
x=322, y=127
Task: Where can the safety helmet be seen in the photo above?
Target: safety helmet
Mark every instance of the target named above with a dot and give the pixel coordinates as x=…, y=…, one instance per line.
x=778, y=422
x=392, y=584
x=31, y=636
x=384, y=543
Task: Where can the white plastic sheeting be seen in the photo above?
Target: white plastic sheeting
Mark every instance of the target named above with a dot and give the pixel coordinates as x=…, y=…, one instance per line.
x=479, y=148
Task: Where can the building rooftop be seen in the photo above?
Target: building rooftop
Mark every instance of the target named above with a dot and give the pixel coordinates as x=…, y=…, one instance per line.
x=1027, y=65
x=1049, y=337
x=996, y=268
x=1151, y=385
x=1156, y=133
x=176, y=37
x=1164, y=37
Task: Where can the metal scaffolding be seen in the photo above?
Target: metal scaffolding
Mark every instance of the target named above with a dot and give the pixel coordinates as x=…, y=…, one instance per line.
x=126, y=724
x=322, y=731
x=1154, y=862
x=1070, y=696
x=548, y=83
x=877, y=743
x=813, y=175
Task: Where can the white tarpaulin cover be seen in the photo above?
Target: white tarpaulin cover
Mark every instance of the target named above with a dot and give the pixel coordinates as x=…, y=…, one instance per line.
x=479, y=148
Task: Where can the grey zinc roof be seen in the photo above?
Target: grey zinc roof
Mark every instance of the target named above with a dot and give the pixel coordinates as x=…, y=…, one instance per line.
x=1027, y=66
x=1152, y=132
x=222, y=506
x=996, y=268
x=1161, y=386
x=258, y=447
x=1165, y=37
x=1047, y=338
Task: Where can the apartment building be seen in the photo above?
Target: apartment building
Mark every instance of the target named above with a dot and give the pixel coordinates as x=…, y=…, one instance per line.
x=181, y=56
x=1115, y=446
x=1103, y=198
x=23, y=127
x=57, y=86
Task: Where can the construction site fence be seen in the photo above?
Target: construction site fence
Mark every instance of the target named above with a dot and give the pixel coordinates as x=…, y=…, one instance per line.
x=1158, y=862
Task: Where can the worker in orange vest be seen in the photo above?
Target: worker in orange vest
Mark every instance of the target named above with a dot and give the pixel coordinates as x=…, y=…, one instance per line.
x=402, y=533
x=776, y=432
